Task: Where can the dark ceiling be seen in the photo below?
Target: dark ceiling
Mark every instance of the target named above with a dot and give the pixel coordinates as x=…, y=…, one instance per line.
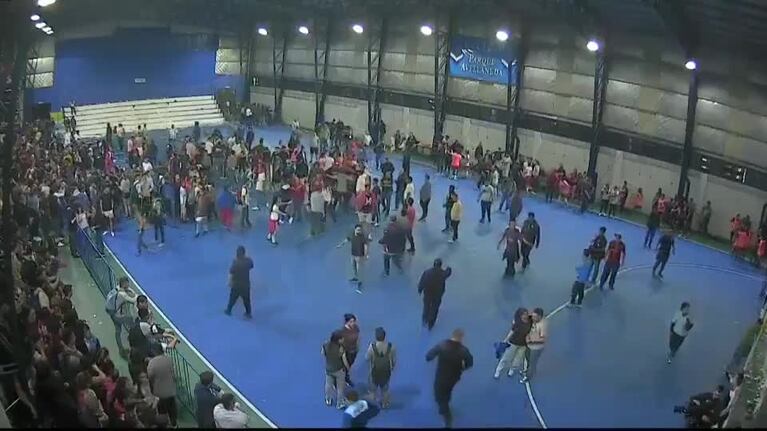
x=694, y=24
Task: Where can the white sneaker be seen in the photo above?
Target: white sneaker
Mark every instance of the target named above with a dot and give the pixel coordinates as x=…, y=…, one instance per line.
x=497, y=375
x=511, y=373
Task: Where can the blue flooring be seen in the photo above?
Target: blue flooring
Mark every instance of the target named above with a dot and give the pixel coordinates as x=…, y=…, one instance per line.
x=604, y=365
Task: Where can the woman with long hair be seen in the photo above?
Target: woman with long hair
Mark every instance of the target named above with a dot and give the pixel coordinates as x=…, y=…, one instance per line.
x=514, y=355
x=274, y=219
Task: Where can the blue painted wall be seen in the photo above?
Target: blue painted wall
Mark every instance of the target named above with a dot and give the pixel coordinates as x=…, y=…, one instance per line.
x=100, y=70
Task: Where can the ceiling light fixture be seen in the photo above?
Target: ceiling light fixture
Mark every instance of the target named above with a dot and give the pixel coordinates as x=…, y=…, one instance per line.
x=502, y=35
x=592, y=45
x=262, y=31
x=357, y=28
x=41, y=25
x=44, y=3
x=303, y=29
x=35, y=17
x=691, y=65
x=426, y=30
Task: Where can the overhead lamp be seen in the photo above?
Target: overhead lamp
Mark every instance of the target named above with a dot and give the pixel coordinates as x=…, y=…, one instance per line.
x=41, y=24
x=357, y=28
x=303, y=29
x=44, y=3
x=502, y=35
x=46, y=29
x=691, y=65
x=592, y=45
x=262, y=31
x=35, y=17
x=426, y=30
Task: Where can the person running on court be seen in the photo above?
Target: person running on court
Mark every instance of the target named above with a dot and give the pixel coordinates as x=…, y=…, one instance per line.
x=514, y=355
x=531, y=236
x=511, y=237
x=616, y=258
x=382, y=358
x=359, y=249
x=448, y=205
x=239, y=281
x=597, y=252
x=432, y=286
x=424, y=195
x=456, y=214
x=665, y=249
x=351, y=335
x=335, y=370
x=536, y=340
x=582, y=278
x=680, y=328
x=453, y=358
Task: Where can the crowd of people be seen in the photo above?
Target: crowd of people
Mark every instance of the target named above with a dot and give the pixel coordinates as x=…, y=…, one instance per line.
x=67, y=184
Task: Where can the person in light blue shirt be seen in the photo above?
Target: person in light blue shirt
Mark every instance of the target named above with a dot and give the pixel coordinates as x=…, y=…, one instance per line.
x=359, y=412
x=582, y=277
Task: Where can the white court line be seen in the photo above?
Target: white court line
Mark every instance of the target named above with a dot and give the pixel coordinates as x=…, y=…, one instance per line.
x=621, y=271
x=190, y=345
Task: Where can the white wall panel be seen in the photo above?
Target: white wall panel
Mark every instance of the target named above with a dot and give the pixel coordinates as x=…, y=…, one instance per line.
x=423, y=84
x=299, y=105
x=407, y=120
x=552, y=150
x=262, y=95
x=347, y=75
x=353, y=112
x=299, y=71
x=727, y=198
x=614, y=167
x=299, y=56
x=477, y=92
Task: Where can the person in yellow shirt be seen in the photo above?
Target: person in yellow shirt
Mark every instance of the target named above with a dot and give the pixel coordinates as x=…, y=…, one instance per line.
x=456, y=213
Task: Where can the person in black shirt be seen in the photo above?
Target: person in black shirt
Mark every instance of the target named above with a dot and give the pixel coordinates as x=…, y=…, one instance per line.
x=387, y=167
x=359, y=249
x=597, y=252
x=239, y=281
x=386, y=191
x=432, y=286
x=665, y=249
x=107, y=209
x=449, y=201
x=394, y=241
x=653, y=221
x=531, y=236
x=453, y=358
x=399, y=193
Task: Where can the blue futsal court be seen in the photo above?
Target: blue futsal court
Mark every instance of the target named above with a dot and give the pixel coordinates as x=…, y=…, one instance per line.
x=603, y=366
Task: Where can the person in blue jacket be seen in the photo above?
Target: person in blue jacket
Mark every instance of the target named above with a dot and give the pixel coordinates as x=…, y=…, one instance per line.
x=582, y=277
x=359, y=412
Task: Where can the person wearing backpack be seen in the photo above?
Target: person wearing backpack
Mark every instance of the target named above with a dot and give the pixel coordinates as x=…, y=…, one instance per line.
x=382, y=358
x=119, y=307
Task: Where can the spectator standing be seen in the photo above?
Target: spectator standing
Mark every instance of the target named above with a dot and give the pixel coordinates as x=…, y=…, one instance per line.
x=616, y=258
x=665, y=249
x=206, y=395
x=335, y=369
x=239, y=281
x=453, y=358
x=516, y=340
x=582, y=278
x=597, y=252
x=432, y=286
x=531, y=236
x=705, y=217
x=456, y=214
x=120, y=308
x=382, y=358
x=163, y=384
x=653, y=222
x=359, y=250
x=536, y=341
x=681, y=325
x=486, y=196
x=351, y=342
x=425, y=198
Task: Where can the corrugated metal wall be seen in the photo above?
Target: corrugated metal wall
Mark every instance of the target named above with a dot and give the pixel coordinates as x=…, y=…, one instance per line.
x=44, y=64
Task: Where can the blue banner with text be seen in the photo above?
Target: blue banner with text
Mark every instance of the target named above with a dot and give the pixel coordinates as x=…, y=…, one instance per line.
x=481, y=60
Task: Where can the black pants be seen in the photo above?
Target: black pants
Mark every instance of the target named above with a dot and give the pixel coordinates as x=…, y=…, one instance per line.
x=410, y=240
x=424, y=208
x=235, y=294
x=511, y=263
x=350, y=357
x=549, y=194
x=386, y=202
x=611, y=210
x=159, y=230
x=674, y=342
x=430, y=310
x=603, y=206
x=443, y=390
x=454, y=224
x=649, y=236
x=660, y=261
x=485, y=205
x=168, y=406
x=526, y=249
x=576, y=294
x=396, y=257
x=244, y=216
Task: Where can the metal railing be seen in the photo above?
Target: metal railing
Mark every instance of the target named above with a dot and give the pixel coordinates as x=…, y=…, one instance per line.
x=90, y=246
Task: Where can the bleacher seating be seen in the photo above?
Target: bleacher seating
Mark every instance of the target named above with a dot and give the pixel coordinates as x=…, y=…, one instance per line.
x=155, y=113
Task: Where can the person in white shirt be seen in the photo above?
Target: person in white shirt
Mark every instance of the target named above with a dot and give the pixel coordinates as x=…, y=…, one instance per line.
x=326, y=162
x=368, y=139
x=294, y=125
x=680, y=327
x=182, y=198
x=190, y=149
x=362, y=180
x=146, y=165
x=228, y=415
x=409, y=189
x=209, y=146
x=536, y=340
x=172, y=133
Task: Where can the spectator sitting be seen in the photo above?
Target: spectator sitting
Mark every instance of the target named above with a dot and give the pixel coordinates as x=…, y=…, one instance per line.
x=227, y=414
